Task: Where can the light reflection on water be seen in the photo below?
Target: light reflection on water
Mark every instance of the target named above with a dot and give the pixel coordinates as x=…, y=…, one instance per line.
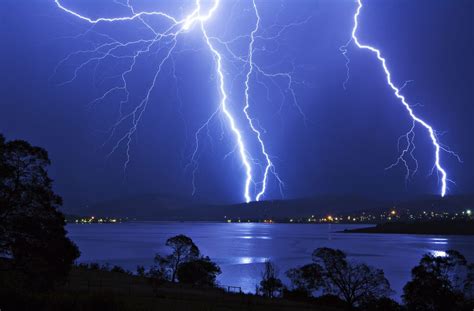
x=248, y=237
x=241, y=249
x=439, y=241
x=438, y=253
x=250, y=260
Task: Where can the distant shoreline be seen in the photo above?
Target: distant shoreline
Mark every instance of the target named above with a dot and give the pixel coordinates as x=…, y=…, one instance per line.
x=432, y=228
x=221, y=222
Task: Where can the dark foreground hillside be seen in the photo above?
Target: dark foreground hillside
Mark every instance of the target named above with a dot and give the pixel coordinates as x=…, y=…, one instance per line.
x=104, y=290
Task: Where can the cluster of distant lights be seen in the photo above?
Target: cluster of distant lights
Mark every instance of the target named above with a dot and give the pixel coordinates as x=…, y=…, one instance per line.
x=363, y=217
x=97, y=220
x=198, y=19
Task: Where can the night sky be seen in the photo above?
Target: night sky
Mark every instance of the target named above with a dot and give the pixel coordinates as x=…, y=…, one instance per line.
x=343, y=146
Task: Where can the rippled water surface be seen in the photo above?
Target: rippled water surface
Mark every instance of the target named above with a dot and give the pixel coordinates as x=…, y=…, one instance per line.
x=241, y=249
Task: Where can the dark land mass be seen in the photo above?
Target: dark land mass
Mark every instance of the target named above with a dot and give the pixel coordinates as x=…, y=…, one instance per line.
x=106, y=290
x=166, y=207
x=432, y=227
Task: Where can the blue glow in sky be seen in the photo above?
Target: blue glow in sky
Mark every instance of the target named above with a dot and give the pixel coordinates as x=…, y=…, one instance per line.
x=305, y=130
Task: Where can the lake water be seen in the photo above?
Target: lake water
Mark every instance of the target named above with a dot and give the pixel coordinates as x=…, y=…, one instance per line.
x=241, y=248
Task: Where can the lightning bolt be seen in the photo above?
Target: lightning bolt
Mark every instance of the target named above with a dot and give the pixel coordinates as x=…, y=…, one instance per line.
x=164, y=44
x=177, y=27
x=230, y=118
x=255, y=72
x=269, y=165
x=410, y=135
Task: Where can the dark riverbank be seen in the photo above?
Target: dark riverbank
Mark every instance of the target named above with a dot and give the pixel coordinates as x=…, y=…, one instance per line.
x=114, y=291
x=442, y=228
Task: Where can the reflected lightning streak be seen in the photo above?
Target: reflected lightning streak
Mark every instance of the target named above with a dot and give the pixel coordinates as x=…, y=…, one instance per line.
x=416, y=120
x=177, y=28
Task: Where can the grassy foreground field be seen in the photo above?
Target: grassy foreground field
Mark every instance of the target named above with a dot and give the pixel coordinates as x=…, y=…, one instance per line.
x=102, y=290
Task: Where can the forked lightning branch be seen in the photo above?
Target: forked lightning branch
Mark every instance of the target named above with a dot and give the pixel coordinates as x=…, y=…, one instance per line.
x=255, y=185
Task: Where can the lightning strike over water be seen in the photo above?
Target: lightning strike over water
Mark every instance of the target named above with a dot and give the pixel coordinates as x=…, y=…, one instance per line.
x=269, y=165
x=233, y=126
x=410, y=135
x=164, y=44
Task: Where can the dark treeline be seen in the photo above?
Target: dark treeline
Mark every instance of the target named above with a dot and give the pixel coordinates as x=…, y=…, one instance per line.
x=37, y=260
x=438, y=283
x=330, y=279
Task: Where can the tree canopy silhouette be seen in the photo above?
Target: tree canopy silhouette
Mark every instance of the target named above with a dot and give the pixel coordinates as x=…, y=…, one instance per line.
x=183, y=250
x=270, y=285
x=185, y=264
x=201, y=271
x=306, y=279
x=355, y=283
x=441, y=283
x=33, y=240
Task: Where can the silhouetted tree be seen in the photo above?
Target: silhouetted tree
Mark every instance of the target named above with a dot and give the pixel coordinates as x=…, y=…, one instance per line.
x=161, y=270
x=94, y=266
x=270, y=285
x=118, y=269
x=306, y=279
x=183, y=250
x=469, y=282
x=440, y=283
x=353, y=282
x=140, y=270
x=200, y=271
x=32, y=234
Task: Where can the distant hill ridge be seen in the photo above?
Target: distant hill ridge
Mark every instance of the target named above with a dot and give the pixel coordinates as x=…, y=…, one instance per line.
x=168, y=207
